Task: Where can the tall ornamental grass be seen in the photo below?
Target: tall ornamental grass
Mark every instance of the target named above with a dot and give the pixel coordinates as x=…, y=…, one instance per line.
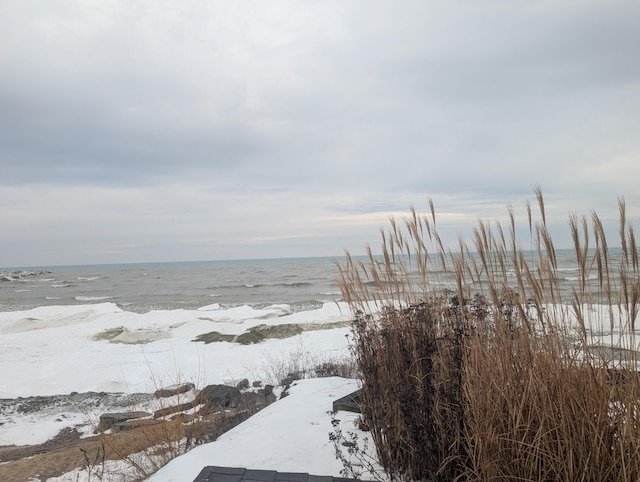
x=476, y=366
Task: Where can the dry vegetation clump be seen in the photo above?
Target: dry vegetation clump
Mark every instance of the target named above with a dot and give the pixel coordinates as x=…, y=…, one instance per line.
x=180, y=422
x=157, y=440
x=503, y=375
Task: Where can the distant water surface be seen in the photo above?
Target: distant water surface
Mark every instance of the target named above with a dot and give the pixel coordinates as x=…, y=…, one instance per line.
x=301, y=283
x=304, y=283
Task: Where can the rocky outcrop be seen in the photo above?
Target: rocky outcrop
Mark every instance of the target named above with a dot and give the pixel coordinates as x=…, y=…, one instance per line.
x=213, y=405
x=219, y=396
x=181, y=407
x=108, y=420
x=131, y=424
x=243, y=384
x=20, y=274
x=174, y=390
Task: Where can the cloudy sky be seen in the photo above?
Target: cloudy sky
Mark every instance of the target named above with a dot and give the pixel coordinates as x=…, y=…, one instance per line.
x=160, y=130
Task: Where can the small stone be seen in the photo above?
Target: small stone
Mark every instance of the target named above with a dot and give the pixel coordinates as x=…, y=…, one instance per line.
x=163, y=412
x=131, y=424
x=108, y=420
x=218, y=396
x=174, y=390
x=242, y=384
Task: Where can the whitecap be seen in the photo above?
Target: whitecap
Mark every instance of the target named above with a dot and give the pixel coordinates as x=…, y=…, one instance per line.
x=88, y=278
x=92, y=298
x=330, y=293
x=577, y=278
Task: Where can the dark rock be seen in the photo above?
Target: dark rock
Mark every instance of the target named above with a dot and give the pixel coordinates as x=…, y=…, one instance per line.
x=214, y=398
x=185, y=417
x=287, y=381
x=174, y=390
x=108, y=420
x=218, y=396
x=173, y=409
x=242, y=384
x=131, y=424
x=257, y=384
x=253, y=402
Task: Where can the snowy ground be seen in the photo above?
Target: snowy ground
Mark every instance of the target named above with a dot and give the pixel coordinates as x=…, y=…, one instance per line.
x=59, y=350
x=62, y=349
x=290, y=435
x=98, y=348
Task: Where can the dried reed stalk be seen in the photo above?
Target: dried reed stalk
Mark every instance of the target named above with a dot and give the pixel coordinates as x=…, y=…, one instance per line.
x=498, y=377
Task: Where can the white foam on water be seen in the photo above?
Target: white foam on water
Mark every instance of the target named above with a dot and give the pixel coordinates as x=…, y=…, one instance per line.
x=93, y=298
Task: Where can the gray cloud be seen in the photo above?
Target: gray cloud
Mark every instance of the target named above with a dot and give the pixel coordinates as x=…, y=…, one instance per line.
x=252, y=129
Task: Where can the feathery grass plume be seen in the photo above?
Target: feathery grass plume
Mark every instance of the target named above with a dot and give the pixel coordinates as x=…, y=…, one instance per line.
x=477, y=366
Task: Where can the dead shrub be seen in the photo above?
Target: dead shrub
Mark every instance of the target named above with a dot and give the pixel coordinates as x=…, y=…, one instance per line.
x=500, y=375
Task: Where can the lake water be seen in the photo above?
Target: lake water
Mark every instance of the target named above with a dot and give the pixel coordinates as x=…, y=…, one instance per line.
x=302, y=283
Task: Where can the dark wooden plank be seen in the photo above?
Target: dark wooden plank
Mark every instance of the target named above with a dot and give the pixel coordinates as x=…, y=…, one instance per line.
x=319, y=478
x=291, y=477
x=259, y=475
x=348, y=403
x=235, y=474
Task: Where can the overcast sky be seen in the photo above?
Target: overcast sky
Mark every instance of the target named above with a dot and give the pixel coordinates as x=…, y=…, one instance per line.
x=160, y=130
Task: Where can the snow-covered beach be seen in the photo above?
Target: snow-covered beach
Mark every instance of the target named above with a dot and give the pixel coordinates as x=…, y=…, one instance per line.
x=63, y=349
x=290, y=435
x=112, y=335
x=98, y=349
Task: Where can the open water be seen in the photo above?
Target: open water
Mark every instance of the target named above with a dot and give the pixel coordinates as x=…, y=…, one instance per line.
x=302, y=283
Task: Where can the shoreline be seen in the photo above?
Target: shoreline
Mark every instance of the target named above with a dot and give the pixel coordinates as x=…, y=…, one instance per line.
x=71, y=457
x=79, y=435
